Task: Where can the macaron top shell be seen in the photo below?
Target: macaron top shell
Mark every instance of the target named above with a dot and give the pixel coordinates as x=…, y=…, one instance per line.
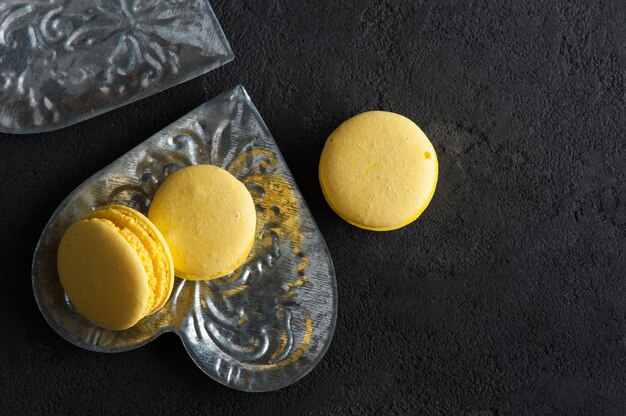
x=102, y=275
x=208, y=219
x=378, y=171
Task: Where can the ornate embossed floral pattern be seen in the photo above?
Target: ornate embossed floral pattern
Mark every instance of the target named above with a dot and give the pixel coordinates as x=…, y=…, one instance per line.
x=260, y=328
x=63, y=61
x=224, y=309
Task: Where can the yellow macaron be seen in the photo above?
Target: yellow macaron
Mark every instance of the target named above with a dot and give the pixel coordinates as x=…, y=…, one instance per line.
x=208, y=219
x=378, y=171
x=115, y=267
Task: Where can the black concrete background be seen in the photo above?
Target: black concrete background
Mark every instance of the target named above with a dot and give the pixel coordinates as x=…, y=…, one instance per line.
x=506, y=297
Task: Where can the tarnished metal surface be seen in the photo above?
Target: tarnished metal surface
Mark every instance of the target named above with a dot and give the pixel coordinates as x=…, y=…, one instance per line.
x=64, y=61
x=260, y=328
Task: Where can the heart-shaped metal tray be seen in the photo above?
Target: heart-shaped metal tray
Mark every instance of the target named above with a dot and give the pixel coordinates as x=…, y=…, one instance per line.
x=261, y=328
x=64, y=61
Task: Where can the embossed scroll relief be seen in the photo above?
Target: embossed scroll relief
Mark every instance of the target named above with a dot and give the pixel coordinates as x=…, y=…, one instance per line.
x=64, y=61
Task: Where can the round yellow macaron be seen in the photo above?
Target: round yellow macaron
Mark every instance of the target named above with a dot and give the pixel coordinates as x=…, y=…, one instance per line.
x=115, y=267
x=208, y=219
x=378, y=171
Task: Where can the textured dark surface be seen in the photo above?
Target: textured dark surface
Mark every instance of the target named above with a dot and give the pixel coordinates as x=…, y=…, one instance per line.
x=505, y=298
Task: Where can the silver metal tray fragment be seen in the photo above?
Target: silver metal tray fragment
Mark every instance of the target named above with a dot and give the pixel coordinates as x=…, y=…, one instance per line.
x=261, y=328
x=64, y=61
